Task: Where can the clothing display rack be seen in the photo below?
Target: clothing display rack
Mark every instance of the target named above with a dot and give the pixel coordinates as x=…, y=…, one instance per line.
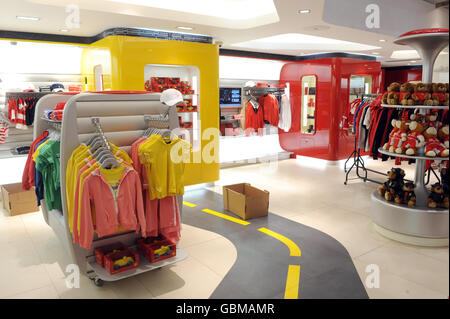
x=257, y=91
x=419, y=225
x=14, y=95
x=120, y=119
x=358, y=162
x=15, y=142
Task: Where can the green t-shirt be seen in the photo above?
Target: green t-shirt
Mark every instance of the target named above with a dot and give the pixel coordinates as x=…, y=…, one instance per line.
x=48, y=164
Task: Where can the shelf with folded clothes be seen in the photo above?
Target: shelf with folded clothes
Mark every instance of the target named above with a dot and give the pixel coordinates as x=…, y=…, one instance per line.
x=423, y=107
x=51, y=121
x=417, y=157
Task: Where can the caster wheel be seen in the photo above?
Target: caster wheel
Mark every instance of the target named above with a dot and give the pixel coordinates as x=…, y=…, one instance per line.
x=98, y=282
x=345, y=183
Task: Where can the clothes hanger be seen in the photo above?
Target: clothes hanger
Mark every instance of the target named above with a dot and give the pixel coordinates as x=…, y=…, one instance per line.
x=109, y=162
x=102, y=155
x=98, y=151
x=91, y=140
x=97, y=144
x=106, y=158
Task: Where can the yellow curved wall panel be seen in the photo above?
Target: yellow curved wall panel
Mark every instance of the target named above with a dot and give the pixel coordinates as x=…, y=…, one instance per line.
x=124, y=58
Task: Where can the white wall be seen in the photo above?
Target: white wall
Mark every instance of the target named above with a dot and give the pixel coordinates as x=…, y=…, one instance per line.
x=29, y=57
x=249, y=68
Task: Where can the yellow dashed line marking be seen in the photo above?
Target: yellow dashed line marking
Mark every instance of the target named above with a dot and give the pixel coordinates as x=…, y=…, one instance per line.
x=188, y=204
x=293, y=276
x=232, y=219
x=295, y=251
x=292, y=282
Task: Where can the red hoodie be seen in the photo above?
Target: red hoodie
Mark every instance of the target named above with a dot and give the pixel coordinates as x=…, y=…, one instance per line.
x=28, y=172
x=126, y=209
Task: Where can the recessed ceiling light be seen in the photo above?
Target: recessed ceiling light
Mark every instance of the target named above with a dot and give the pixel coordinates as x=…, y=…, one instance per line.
x=382, y=40
x=64, y=30
x=28, y=18
x=184, y=28
x=304, y=11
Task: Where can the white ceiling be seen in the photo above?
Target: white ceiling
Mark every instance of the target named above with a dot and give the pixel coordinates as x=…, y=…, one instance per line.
x=98, y=15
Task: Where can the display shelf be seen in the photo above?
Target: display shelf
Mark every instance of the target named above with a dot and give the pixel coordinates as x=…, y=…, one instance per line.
x=51, y=121
x=419, y=225
x=144, y=266
x=423, y=107
x=416, y=157
x=419, y=221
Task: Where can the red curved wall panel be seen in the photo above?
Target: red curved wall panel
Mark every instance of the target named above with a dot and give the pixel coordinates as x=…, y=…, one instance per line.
x=330, y=140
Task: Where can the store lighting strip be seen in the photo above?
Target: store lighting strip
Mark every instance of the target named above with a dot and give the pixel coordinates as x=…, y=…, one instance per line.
x=28, y=18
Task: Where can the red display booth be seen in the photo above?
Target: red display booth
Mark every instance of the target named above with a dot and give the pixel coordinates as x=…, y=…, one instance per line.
x=321, y=88
x=401, y=74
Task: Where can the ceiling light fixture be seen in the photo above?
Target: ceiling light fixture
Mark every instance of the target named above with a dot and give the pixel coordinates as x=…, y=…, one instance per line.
x=300, y=42
x=28, y=18
x=376, y=53
x=413, y=61
x=184, y=28
x=64, y=30
x=405, y=55
x=304, y=11
x=382, y=40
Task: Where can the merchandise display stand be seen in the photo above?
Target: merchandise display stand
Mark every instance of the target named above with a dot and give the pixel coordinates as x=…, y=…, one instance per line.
x=122, y=118
x=358, y=161
x=417, y=225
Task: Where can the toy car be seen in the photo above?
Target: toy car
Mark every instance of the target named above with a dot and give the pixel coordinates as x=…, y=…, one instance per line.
x=123, y=262
x=162, y=251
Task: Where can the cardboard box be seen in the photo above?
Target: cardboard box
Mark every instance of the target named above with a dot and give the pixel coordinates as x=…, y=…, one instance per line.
x=18, y=201
x=246, y=201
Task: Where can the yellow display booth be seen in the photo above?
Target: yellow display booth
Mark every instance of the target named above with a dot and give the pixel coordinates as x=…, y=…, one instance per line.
x=120, y=62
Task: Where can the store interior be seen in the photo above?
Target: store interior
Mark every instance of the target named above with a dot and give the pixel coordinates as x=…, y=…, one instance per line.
x=297, y=150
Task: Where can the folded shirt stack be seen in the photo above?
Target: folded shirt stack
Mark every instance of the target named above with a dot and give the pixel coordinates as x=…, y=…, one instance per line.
x=56, y=114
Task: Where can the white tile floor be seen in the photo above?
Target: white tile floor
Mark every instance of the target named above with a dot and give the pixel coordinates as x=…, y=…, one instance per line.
x=34, y=264
x=34, y=261
x=314, y=195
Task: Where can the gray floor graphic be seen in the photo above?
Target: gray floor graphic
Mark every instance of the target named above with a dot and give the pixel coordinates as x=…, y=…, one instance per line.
x=260, y=270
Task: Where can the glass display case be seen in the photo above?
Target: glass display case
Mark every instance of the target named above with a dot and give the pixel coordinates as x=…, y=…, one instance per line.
x=308, y=108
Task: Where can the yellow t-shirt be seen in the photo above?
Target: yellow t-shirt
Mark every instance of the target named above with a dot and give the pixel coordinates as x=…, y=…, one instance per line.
x=164, y=162
x=70, y=183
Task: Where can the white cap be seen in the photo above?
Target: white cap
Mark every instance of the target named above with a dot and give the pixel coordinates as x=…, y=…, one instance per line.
x=171, y=97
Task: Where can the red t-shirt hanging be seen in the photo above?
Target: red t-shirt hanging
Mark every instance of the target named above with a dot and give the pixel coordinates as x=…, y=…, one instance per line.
x=254, y=118
x=271, y=108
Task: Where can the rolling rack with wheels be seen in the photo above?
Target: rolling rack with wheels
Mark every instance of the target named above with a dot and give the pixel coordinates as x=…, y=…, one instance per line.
x=358, y=161
x=121, y=118
x=417, y=225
